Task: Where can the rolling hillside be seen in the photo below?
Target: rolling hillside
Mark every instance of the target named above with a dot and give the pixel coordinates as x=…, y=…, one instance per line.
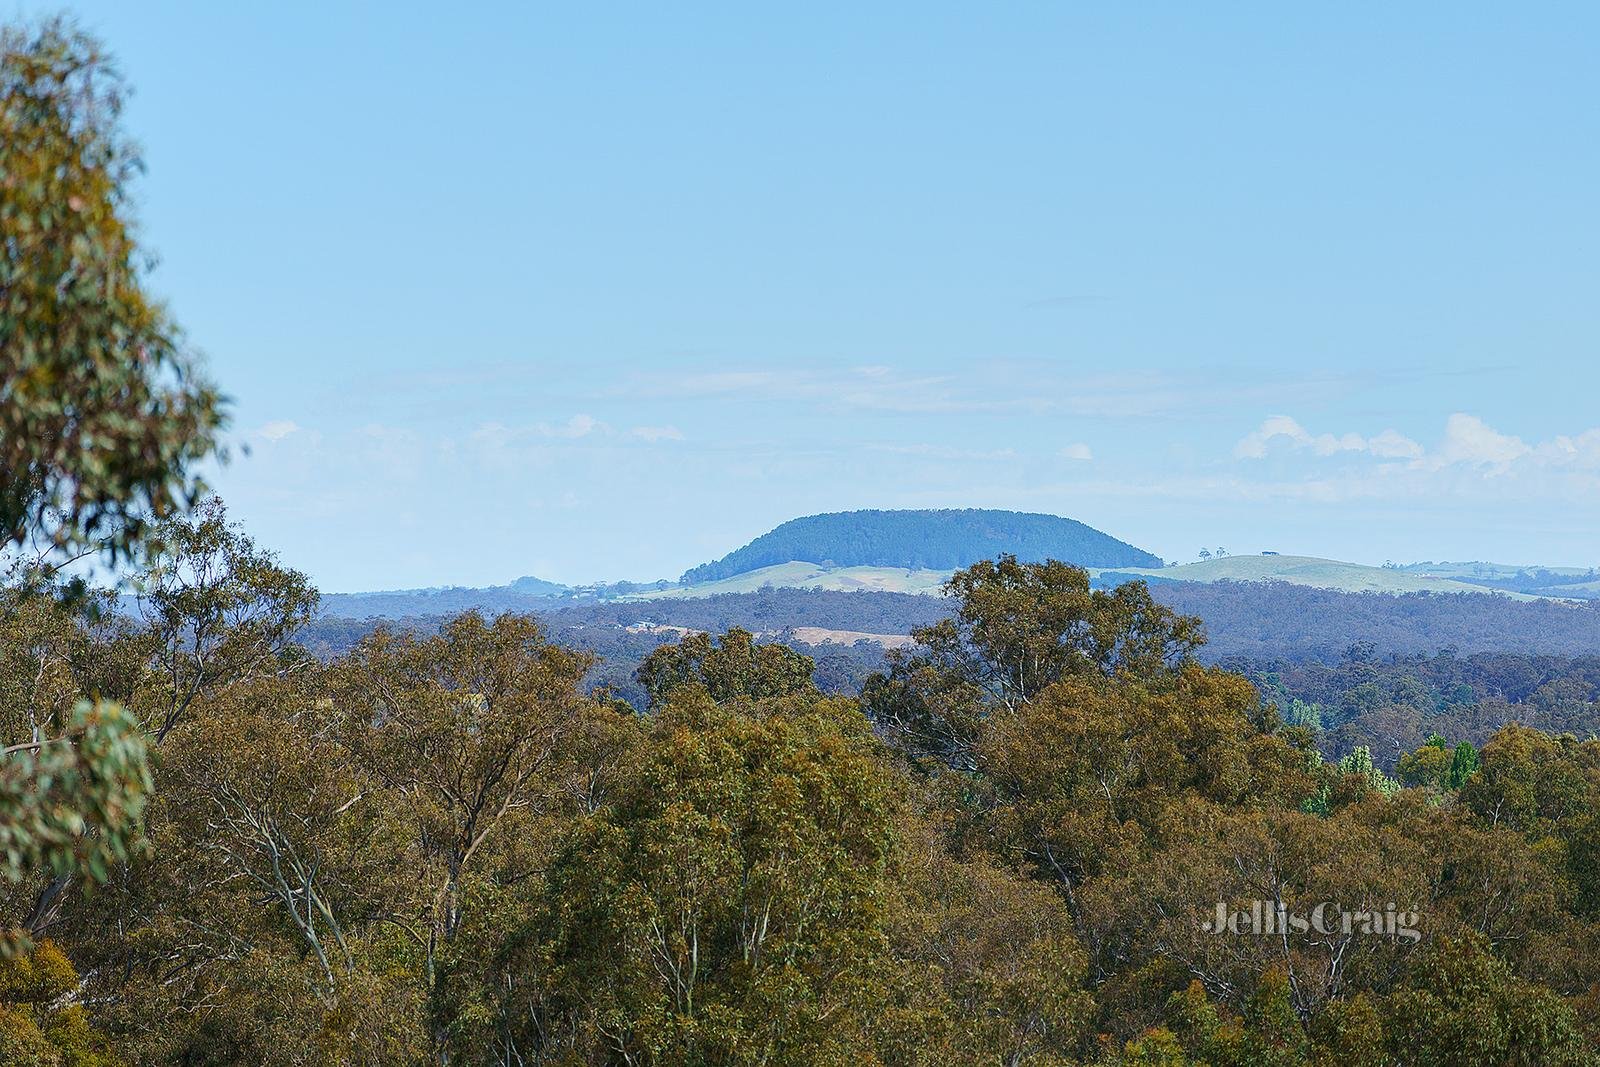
x=1304, y=570
x=923, y=541
x=798, y=575
x=1576, y=583
x=1295, y=570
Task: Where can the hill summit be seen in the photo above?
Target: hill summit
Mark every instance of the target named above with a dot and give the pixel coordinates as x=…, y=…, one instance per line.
x=940, y=540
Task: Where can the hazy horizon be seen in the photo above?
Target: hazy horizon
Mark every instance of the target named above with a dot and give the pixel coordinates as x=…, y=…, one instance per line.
x=1170, y=561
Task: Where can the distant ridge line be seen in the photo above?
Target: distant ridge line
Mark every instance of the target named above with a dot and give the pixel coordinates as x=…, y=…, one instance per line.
x=929, y=539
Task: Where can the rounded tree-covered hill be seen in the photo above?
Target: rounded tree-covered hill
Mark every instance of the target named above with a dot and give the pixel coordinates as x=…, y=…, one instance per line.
x=929, y=540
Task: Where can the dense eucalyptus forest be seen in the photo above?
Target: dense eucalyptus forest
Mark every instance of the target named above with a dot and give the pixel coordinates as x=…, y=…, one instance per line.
x=222, y=842
x=447, y=848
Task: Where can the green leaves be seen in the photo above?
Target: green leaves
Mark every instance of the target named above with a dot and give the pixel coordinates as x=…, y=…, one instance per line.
x=103, y=416
x=1464, y=764
x=1462, y=1005
x=728, y=907
x=72, y=801
x=216, y=608
x=1018, y=629
x=736, y=668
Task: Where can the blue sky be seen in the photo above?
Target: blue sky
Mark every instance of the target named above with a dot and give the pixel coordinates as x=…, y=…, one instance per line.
x=602, y=291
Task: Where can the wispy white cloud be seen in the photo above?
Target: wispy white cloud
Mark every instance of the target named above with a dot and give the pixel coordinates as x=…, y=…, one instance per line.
x=1581, y=452
x=1079, y=452
x=998, y=387
x=1470, y=440
x=277, y=429
x=1281, y=429
x=1391, y=444
x=575, y=427
x=492, y=437
x=1471, y=460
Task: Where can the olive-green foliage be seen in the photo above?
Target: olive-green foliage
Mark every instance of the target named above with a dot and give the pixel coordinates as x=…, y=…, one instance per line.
x=215, y=609
x=1464, y=763
x=1358, y=765
x=1018, y=629
x=440, y=848
x=1463, y=1007
x=1428, y=766
x=103, y=419
x=74, y=777
x=103, y=415
x=1459, y=1006
x=728, y=908
x=41, y=1024
x=1438, y=765
x=54, y=790
x=734, y=668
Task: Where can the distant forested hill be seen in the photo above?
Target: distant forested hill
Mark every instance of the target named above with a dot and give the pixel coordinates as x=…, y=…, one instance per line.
x=1259, y=620
x=1258, y=623
x=1278, y=620
x=930, y=540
